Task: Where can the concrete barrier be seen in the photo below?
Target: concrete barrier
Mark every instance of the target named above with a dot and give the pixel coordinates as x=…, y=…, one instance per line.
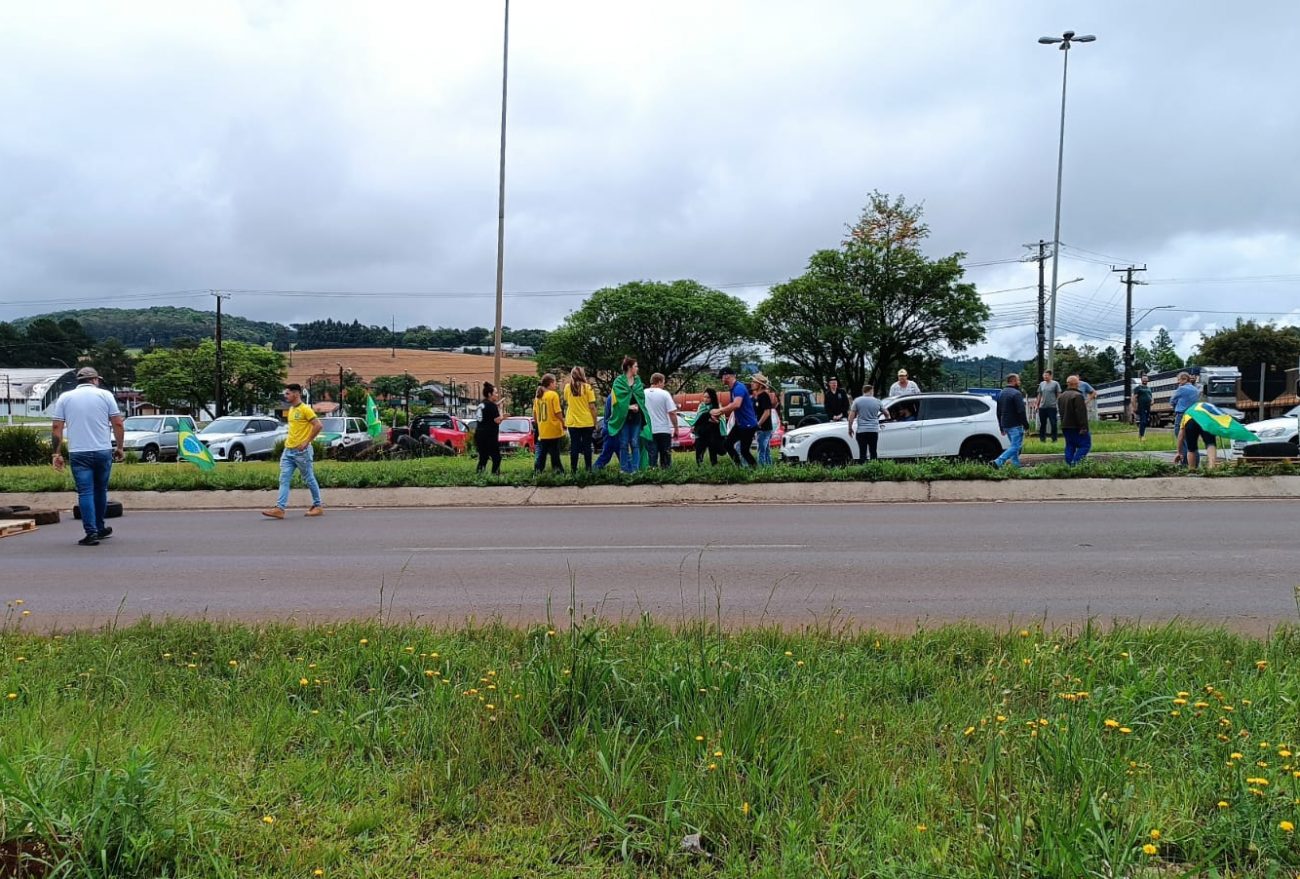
x=1155, y=488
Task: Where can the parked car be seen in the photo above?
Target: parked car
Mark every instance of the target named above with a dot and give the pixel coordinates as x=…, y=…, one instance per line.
x=438, y=426
x=337, y=432
x=516, y=433
x=921, y=426
x=155, y=437
x=238, y=438
x=1283, y=429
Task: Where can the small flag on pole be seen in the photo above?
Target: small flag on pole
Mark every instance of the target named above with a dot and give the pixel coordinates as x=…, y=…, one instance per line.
x=190, y=449
x=374, y=426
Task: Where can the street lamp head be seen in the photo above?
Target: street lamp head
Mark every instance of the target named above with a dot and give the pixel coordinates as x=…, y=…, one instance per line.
x=1068, y=35
x=1048, y=41
x=1086, y=38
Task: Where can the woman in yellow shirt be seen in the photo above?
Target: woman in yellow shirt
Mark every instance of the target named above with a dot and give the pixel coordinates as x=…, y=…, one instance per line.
x=550, y=424
x=579, y=417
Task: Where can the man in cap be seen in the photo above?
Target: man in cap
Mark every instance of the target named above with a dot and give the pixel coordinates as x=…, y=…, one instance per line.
x=765, y=412
x=837, y=400
x=95, y=439
x=903, y=387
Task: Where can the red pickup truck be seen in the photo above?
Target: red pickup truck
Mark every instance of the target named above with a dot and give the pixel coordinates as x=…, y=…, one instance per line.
x=446, y=429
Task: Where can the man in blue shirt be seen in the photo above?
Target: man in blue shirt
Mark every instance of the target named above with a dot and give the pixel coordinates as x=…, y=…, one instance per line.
x=1184, y=397
x=742, y=433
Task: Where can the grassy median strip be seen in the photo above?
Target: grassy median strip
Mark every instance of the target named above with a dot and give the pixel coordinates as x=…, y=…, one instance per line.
x=201, y=750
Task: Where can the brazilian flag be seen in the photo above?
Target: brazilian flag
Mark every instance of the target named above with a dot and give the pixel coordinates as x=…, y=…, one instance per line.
x=374, y=426
x=1214, y=420
x=190, y=449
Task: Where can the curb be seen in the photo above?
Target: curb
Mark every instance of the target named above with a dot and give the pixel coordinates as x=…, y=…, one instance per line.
x=1154, y=488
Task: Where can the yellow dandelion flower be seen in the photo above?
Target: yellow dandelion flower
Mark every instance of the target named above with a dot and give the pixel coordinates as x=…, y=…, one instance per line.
x=428, y=672
x=1222, y=804
x=1183, y=694
x=1125, y=730
x=1110, y=724
x=1235, y=755
x=713, y=766
x=1180, y=701
x=1001, y=718
x=1154, y=834
x=11, y=696
x=165, y=656
x=789, y=653
x=268, y=819
x=234, y=663
x=1284, y=754
x=744, y=809
x=1285, y=826
x=1150, y=849
x=968, y=731
x=318, y=872
x=302, y=682
x=18, y=602
x=27, y=613
x=1124, y=655
x=1024, y=633
x=699, y=738
x=364, y=641
x=491, y=707
x=1261, y=664
x=921, y=828
x=1175, y=713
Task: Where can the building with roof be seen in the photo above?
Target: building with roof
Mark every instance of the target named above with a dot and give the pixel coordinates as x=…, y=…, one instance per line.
x=33, y=391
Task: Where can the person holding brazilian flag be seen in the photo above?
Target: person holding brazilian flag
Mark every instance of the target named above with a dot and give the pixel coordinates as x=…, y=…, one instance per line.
x=626, y=420
x=1207, y=421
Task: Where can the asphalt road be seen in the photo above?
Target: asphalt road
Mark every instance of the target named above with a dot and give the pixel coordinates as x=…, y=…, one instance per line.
x=886, y=565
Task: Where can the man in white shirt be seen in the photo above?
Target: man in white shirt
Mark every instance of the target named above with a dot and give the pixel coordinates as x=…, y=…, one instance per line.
x=903, y=387
x=662, y=410
x=95, y=438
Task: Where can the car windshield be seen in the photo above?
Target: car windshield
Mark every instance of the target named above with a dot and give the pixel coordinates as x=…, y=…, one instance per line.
x=331, y=425
x=225, y=425
x=1294, y=413
x=1224, y=388
x=516, y=425
x=152, y=425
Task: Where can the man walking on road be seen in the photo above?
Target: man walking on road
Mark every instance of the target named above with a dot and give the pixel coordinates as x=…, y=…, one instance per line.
x=297, y=455
x=865, y=417
x=837, y=400
x=903, y=387
x=742, y=435
x=95, y=440
x=1048, y=390
x=1142, y=407
x=1012, y=420
x=662, y=410
x=1074, y=422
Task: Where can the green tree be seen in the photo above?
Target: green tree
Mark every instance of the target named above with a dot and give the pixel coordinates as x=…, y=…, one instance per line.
x=1249, y=344
x=391, y=387
x=185, y=378
x=115, y=365
x=1164, y=356
x=517, y=392
x=1142, y=359
x=875, y=304
x=678, y=328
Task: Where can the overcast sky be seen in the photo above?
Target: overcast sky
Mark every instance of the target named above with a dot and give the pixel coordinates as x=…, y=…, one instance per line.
x=302, y=145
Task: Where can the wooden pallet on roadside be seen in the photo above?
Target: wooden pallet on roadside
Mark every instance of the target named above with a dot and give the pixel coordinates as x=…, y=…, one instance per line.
x=17, y=526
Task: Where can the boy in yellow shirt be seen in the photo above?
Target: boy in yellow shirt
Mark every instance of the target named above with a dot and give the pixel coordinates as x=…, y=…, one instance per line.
x=303, y=428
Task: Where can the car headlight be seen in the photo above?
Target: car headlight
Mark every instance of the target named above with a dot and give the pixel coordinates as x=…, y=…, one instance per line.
x=1271, y=432
x=796, y=439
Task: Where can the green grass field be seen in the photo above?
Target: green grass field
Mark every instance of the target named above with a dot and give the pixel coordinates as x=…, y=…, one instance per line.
x=368, y=749
x=1107, y=436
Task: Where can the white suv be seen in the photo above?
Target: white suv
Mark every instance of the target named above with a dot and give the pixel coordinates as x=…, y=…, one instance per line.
x=920, y=426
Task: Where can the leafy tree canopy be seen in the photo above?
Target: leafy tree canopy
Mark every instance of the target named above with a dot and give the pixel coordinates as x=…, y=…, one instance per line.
x=185, y=378
x=1248, y=344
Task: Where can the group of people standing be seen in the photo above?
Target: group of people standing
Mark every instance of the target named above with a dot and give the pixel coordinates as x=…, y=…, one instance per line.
x=1069, y=407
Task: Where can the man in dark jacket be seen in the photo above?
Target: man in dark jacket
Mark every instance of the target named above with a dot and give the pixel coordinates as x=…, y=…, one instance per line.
x=837, y=401
x=1012, y=420
x=1074, y=422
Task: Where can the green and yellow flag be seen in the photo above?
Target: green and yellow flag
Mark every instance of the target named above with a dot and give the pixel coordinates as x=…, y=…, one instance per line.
x=1215, y=421
x=374, y=426
x=190, y=449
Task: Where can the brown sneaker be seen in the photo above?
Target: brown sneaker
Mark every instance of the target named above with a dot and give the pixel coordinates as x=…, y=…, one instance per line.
x=315, y=511
x=273, y=513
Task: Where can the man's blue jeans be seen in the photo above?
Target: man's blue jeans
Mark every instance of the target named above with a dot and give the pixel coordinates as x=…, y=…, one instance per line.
x=764, y=448
x=1017, y=437
x=302, y=462
x=1144, y=420
x=609, y=450
x=629, y=447
x=1077, y=444
x=90, y=473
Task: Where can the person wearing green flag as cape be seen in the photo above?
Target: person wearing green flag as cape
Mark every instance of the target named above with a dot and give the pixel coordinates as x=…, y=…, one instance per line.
x=627, y=416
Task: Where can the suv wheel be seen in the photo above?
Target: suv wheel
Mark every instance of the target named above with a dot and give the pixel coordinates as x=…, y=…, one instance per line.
x=829, y=453
x=980, y=448
x=149, y=455
x=236, y=454
x=810, y=420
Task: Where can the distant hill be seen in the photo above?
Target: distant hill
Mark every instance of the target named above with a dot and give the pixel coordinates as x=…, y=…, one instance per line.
x=160, y=325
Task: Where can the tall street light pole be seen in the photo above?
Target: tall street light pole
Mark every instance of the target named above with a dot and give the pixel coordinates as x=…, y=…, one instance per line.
x=1065, y=40
x=501, y=201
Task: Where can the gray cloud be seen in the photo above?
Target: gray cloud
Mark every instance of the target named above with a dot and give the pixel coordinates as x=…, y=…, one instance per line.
x=310, y=146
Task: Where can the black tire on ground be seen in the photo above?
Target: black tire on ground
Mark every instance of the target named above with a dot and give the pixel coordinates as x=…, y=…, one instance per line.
x=980, y=448
x=236, y=454
x=1271, y=450
x=149, y=455
x=829, y=453
x=114, y=510
x=44, y=517
x=18, y=508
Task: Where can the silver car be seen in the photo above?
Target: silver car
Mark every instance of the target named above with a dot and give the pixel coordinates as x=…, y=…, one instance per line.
x=155, y=437
x=238, y=437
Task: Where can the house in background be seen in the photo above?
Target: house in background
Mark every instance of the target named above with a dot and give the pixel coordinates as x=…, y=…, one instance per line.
x=33, y=391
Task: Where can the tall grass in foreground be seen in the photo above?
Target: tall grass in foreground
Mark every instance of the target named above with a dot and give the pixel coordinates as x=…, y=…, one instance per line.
x=367, y=749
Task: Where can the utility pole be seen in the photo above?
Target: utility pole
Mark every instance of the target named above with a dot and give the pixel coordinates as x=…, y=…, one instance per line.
x=501, y=198
x=1042, y=306
x=340, y=400
x=1128, y=336
x=392, y=336
x=221, y=385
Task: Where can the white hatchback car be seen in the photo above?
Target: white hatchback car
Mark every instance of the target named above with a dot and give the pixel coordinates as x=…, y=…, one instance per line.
x=920, y=426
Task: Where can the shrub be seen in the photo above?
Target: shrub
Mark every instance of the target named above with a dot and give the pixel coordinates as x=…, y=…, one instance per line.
x=318, y=450
x=23, y=446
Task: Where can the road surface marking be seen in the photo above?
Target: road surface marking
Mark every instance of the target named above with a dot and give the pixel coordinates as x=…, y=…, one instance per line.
x=618, y=548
